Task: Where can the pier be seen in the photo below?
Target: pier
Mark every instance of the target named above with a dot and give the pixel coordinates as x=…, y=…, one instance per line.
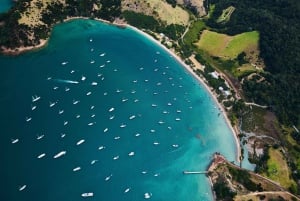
x=195, y=172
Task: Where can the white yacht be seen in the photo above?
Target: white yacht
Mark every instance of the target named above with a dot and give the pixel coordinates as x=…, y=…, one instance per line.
x=83, y=78
x=147, y=195
x=132, y=117
x=65, y=123
x=64, y=63
x=131, y=154
x=39, y=137
x=75, y=102
x=80, y=142
x=116, y=157
x=127, y=190
x=101, y=147
x=94, y=84
x=108, y=177
x=111, y=109
x=93, y=162
x=41, y=155
x=51, y=104
x=22, y=187
x=87, y=194
x=60, y=111
x=88, y=93
x=28, y=119
x=122, y=125
x=33, y=107
x=35, y=98
x=60, y=154
x=76, y=169
x=102, y=55
x=156, y=143
x=14, y=141
x=105, y=130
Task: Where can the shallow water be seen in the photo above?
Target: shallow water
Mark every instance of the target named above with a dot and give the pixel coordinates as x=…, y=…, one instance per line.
x=5, y=5
x=128, y=116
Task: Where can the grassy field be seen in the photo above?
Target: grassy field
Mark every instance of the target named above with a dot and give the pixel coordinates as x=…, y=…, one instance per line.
x=278, y=169
x=228, y=47
x=159, y=9
x=225, y=16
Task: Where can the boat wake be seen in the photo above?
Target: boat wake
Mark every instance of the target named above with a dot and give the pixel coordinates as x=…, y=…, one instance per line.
x=66, y=81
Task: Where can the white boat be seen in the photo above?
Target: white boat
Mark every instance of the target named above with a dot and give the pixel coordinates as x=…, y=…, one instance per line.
x=127, y=190
x=131, y=154
x=161, y=122
x=80, y=142
x=41, y=155
x=175, y=145
x=65, y=123
x=91, y=124
x=101, y=147
x=67, y=89
x=136, y=100
x=94, y=84
x=108, y=177
x=28, y=119
x=91, y=40
x=22, y=187
x=111, y=117
x=118, y=91
x=60, y=154
x=117, y=137
x=83, y=78
x=76, y=169
x=169, y=104
x=111, y=109
x=93, y=162
x=63, y=135
x=116, y=157
x=51, y=104
x=105, y=93
x=102, y=66
x=156, y=143
x=102, y=55
x=90, y=194
x=55, y=88
x=178, y=111
x=64, y=63
x=108, y=61
x=33, y=107
x=14, y=141
x=75, y=102
x=147, y=195
x=132, y=117
x=177, y=119
x=122, y=125
x=88, y=93
x=60, y=111
x=152, y=131
x=35, y=98
x=137, y=135
x=39, y=137
x=93, y=61
x=92, y=107
x=77, y=116
x=105, y=130
x=124, y=99
x=154, y=105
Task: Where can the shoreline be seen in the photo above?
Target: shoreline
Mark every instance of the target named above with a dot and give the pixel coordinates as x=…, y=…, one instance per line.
x=201, y=81
x=43, y=43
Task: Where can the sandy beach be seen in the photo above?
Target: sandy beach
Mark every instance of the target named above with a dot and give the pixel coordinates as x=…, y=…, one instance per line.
x=188, y=68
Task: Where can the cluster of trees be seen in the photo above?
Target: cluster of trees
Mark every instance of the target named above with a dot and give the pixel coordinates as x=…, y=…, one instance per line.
x=139, y=20
x=13, y=35
x=279, y=25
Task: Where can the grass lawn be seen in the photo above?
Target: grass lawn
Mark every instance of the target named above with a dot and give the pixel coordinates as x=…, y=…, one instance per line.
x=225, y=16
x=228, y=47
x=278, y=169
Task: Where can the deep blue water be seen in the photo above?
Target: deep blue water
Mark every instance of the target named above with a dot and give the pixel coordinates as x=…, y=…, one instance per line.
x=5, y=5
x=159, y=120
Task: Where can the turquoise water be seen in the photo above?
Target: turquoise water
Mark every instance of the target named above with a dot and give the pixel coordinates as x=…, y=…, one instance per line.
x=5, y=5
x=144, y=120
